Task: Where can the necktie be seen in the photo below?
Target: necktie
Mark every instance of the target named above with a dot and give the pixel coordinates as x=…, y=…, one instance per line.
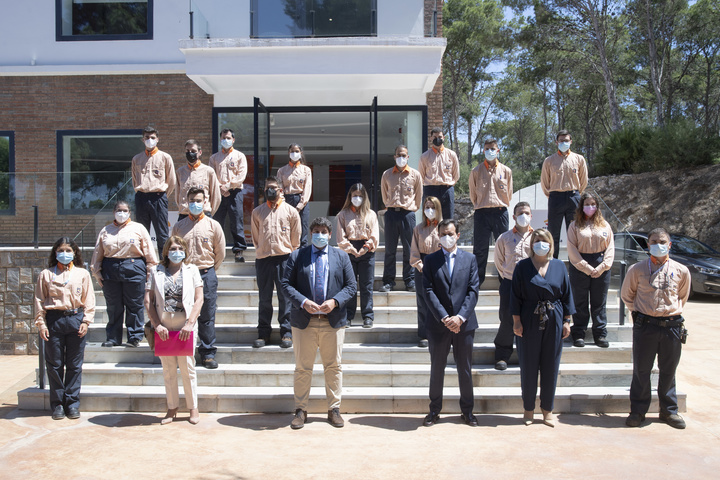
x=319, y=284
x=450, y=258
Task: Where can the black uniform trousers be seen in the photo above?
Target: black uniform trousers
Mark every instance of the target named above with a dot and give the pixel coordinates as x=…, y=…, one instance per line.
x=232, y=207
x=269, y=271
x=398, y=225
x=206, y=320
x=124, y=281
x=488, y=221
x=446, y=195
x=293, y=199
x=505, y=336
x=64, y=353
x=650, y=341
x=584, y=285
x=364, y=271
x=152, y=208
x=540, y=350
x=440, y=339
x=561, y=206
x=421, y=301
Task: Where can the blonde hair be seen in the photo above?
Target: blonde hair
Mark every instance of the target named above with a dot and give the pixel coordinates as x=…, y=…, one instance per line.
x=364, y=207
x=438, y=209
x=166, y=249
x=544, y=236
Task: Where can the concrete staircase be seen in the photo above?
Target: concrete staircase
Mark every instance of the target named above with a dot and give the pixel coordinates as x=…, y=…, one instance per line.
x=383, y=369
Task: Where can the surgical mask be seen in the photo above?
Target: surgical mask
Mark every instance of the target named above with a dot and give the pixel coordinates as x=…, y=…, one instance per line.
x=195, y=208
x=523, y=220
x=448, y=241
x=401, y=161
x=437, y=141
x=271, y=194
x=564, y=146
x=121, y=217
x=295, y=156
x=150, y=143
x=227, y=143
x=176, y=256
x=541, y=248
x=430, y=213
x=491, y=154
x=589, y=210
x=320, y=240
x=65, y=257
x=191, y=157
x=658, y=250
x=357, y=201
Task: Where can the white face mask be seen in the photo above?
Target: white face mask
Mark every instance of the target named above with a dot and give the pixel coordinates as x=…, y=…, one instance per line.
x=491, y=154
x=401, y=161
x=430, y=213
x=448, y=241
x=357, y=201
x=658, y=250
x=227, y=143
x=541, y=248
x=563, y=146
x=523, y=220
x=150, y=143
x=121, y=217
x=295, y=156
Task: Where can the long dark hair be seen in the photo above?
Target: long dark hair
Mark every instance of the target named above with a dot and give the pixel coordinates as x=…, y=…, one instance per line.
x=597, y=219
x=77, y=261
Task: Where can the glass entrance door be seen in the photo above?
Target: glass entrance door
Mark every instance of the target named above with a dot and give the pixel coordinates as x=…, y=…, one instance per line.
x=262, y=146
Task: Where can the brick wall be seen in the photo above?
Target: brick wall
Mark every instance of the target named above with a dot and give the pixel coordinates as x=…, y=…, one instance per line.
x=434, y=98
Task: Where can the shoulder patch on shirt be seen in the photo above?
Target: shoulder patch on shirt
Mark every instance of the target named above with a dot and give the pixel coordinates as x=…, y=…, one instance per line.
x=78, y=290
x=205, y=240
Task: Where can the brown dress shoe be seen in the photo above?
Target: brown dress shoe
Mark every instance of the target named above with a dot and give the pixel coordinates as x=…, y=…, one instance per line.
x=299, y=421
x=335, y=419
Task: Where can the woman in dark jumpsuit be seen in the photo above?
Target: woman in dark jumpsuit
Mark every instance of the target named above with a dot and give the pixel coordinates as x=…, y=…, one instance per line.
x=542, y=305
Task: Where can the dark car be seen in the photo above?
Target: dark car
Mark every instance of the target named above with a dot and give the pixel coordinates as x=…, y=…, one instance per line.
x=702, y=260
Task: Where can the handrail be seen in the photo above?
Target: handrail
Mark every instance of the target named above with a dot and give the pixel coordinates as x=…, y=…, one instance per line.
x=112, y=197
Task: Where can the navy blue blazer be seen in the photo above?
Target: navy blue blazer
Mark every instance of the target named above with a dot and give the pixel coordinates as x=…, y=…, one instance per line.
x=449, y=297
x=297, y=285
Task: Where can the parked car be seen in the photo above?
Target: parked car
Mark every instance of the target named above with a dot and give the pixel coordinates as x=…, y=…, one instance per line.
x=702, y=260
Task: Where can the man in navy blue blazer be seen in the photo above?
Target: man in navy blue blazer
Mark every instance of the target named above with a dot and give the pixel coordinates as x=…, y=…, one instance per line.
x=318, y=281
x=450, y=278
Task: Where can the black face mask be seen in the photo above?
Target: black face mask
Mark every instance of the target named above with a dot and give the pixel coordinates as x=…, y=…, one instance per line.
x=191, y=157
x=437, y=141
x=271, y=194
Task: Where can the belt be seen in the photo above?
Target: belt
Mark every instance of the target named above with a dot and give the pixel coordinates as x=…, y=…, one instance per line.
x=67, y=313
x=319, y=317
x=205, y=270
x=399, y=209
x=674, y=321
x=558, y=192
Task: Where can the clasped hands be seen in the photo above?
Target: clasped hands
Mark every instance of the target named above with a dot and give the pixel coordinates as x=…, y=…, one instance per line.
x=183, y=336
x=453, y=323
x=314, y=309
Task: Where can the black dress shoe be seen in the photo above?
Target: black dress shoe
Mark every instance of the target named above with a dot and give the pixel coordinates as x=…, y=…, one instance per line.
x=109, y=343
x=501, y=365
x=368, y=323
x=133, y=343
x=209, y=363
x=387, y=288
x=602, y=342
x=260, y=342
x=423, y=343
x=469, y=419
x=431, y=419
x=58, y=413
x=73, y=413
x=674, y=420
x=634, y=420
x=579, y=342
x=410, y=287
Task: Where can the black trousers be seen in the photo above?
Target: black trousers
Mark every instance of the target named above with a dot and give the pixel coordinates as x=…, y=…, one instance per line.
x=505, y=336
x=293, y=199
x=539, y=350
x=439, y=343
x=269, y=270
x=561, y=206
x=364, y=270
x=421, y=301
x=446, y=195
x=206, y=320
x=584, y=285
x=152, y=208
x=232, y=207
x=64, y=353
x=487, y=221
x=398, y=225
x=650, y=341
x=124, y=282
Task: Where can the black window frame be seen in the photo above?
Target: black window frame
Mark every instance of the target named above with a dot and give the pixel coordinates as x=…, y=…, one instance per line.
x=59, y=37
x=11, y=172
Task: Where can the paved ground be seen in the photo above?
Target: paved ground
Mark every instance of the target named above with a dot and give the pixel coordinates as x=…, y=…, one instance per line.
x=371, y=446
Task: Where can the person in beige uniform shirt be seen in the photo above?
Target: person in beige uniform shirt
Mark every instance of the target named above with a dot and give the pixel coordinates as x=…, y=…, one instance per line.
x=230, y=166
x=491, y=190
x=655, y=291
x=64, y=308
x=295, y=179
x=206, y=250
x=510, y=247
x=196, y=174
x=425, y=240
x=591, y=251
x=275, y=234
x=121, y=261
x=358, y=235
x=440, y=170
x=153, y=177
x=563, y=178
x=402, y=192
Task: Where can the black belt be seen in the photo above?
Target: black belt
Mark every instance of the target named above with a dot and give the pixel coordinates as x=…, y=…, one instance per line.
x=558, y=192
x=205, y=270
x=674, y=321
x=67, y=313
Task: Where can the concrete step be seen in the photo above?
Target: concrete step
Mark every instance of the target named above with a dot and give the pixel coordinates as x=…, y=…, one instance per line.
x=249, y=254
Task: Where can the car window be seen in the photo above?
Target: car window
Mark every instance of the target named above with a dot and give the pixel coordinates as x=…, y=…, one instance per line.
x=688, y=245
x=635, y=242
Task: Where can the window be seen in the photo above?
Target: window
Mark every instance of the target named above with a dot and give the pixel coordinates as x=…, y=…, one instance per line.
x=94, y=165
x=313, y=18
x=7, y=173
x=104, y=20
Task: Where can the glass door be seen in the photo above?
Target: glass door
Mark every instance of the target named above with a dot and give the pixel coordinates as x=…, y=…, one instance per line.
x=262, y=146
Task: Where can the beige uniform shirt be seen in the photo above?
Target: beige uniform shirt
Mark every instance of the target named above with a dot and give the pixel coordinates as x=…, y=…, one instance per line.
x=656, y=290
x=511, y=247
x=153, y=172
x=402, y=188
x=425, y=239
x=564, y=173
x=350, y=227
x=491, y=187
x=275, y=231
x=296, y=179
x=590, y=239
x=230, y=167
x=205, y=239
x=201, y=176
x=58, y=289
x=439, y=167
x=129, y=240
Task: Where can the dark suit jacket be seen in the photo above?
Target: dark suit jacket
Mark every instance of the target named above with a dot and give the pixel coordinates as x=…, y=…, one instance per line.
x=297, y=284
x=451, y=297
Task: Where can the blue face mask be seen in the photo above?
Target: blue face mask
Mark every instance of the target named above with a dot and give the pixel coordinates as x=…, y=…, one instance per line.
x=65, y=257
x=564, y=146
x=227, y=143
x=320, y=240
x=176, y=256
x=195, y=208
x=659, y=250
x=541, y=248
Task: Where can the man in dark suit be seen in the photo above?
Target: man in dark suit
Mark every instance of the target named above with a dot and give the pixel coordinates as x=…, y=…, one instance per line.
x=451, y=282
x=318, y=281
